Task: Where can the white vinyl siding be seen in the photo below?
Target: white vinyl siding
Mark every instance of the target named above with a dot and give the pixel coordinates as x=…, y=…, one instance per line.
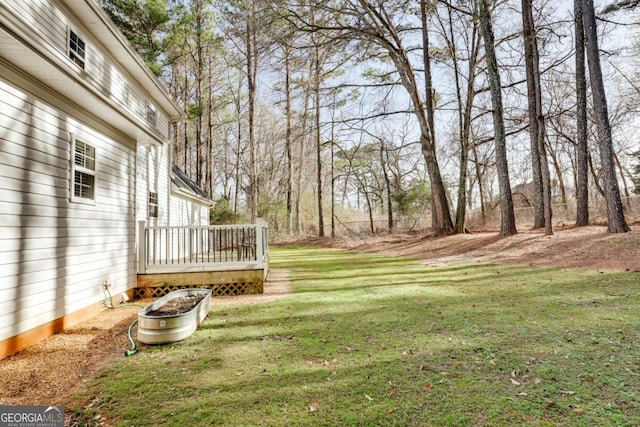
x=54, y=254
x=101, y=72
x=43, y=18
x=187, y=211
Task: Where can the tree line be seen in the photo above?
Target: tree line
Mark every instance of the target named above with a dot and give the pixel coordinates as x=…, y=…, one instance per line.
x=300, y=109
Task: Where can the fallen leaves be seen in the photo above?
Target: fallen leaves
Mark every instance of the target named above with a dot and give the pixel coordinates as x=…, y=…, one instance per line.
x=320, y=362
x=313, y=406
x=514, y=378
x=277, y=337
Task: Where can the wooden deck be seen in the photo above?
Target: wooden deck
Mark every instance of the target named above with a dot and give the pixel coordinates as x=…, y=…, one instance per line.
x=228, y=259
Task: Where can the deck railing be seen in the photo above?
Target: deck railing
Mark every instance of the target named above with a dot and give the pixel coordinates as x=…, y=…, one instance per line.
x=171, y=249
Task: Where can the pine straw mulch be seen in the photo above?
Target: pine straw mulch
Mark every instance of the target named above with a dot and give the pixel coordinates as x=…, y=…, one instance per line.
x=589, y=247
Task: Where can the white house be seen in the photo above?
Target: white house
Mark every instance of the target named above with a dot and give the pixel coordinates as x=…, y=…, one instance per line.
x=84, y=155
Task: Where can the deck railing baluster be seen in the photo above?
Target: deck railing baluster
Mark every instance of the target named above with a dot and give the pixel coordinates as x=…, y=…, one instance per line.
x=155, y=237
x=147, y=244
x=178, y=247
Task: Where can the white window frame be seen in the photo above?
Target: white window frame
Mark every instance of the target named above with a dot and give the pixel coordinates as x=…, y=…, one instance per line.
x=77, y=55
x=151, y=205
x=151, y=114
x=85, y=169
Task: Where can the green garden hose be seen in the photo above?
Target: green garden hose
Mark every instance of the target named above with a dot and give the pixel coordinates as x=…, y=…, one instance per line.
x=110, y=298
x=133, y=349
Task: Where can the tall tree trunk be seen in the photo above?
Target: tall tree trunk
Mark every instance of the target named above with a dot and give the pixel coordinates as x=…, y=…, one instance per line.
x=199, y=98
x=507, y=216
x=428, y=84
x=533, y=79
x=582, y=158
x=615, y=212
x=557, y=167
x=625, y=187
x=333, y=193
x=175, y=134
x=384, y=160
x=595, y=175
x=464, y=113
x=540, y=165
x=251, y=84
x=238, y=151
x=546, y=175
x=479, y=175
x=209, y=158
x=316, y=94
x=302, y=159
x=333, y=176
x=288, y=133
x=372, y=226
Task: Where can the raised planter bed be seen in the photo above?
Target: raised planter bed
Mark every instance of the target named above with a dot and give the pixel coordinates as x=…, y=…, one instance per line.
x=173, y=317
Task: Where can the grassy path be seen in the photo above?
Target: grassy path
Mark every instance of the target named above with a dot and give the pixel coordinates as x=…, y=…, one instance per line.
x=366, y=340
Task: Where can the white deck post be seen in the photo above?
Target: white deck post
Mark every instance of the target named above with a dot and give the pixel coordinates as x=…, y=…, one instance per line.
x=265, y=242
x=259, y=242
x=142, y=247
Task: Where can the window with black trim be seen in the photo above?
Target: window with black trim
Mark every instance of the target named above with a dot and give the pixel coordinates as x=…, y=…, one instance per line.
x=153, y=204
x=151, y=115
x=77, y=49
x=83, y=172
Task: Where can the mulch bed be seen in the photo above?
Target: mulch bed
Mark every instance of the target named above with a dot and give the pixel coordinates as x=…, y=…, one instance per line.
x=175, y=306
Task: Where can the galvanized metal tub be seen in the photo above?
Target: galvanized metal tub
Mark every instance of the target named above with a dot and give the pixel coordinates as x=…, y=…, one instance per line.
x=163, y=329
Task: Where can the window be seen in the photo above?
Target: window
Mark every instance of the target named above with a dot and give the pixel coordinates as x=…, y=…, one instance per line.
x=151, y=115
x=77, y=49
x=153, y=204
x=83, y=172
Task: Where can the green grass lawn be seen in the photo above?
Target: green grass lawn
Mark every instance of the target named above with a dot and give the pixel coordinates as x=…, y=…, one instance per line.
x=367, y=340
